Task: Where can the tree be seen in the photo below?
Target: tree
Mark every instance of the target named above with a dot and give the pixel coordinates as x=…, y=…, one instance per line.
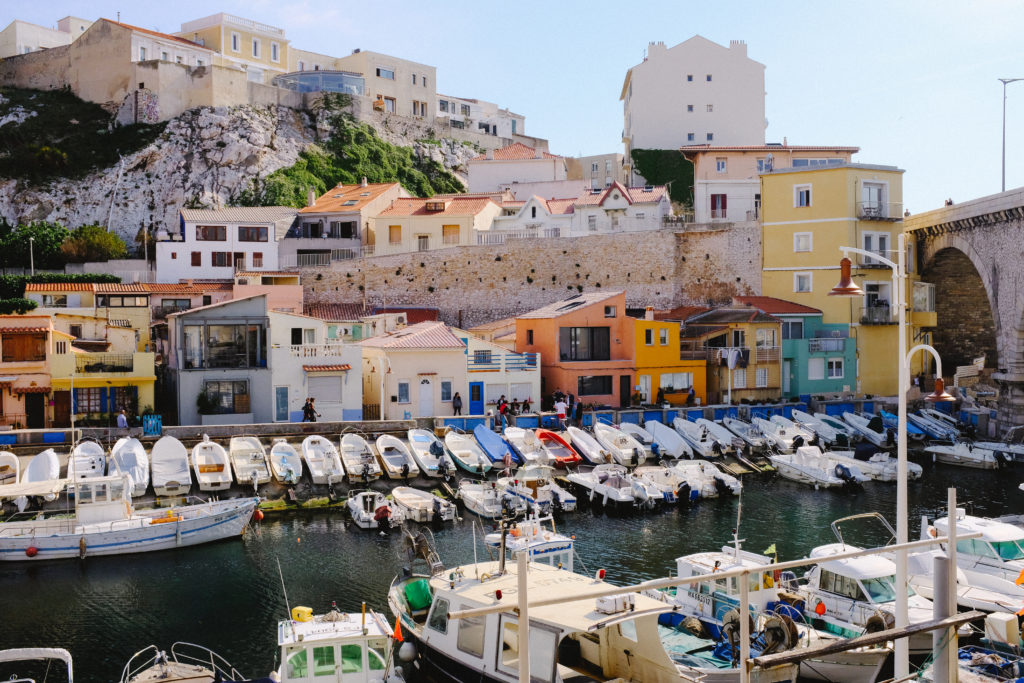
x=41, y=238
x=92, y=243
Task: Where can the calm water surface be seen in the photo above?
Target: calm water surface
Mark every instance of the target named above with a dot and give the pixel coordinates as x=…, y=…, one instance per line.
x=228, y=596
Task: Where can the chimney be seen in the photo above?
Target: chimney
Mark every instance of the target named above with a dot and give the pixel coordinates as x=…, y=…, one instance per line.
x=189, y=282
x=538, y=153
x=310, y=197
x=364, y=183
x=649, y=313
x=489, y=155
x=739, y=45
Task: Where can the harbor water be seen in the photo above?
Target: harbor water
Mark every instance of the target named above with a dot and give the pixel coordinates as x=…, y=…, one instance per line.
x=228, y=596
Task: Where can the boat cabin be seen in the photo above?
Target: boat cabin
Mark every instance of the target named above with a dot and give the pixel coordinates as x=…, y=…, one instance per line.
x=537, y=537
x=102, y=499
x=336, y=646
x=999, y=544
x=712, y=598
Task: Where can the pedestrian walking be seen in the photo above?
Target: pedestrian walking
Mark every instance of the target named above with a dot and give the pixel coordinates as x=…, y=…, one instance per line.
x=313, y=415
x=456, y=404
x=560, y=408
x=307, y=411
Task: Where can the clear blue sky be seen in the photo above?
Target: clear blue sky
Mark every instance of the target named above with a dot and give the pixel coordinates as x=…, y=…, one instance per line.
x=913, y=84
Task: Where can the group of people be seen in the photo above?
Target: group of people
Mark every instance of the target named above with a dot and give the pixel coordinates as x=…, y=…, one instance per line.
x=309, y=413
x=504, y=409
x=569, y=410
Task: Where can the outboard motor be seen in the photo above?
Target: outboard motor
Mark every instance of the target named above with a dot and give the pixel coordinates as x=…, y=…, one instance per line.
x=655, y=451
x=798, y=441
x=842, y=441
x=683, y=493
x=405, y=471
x=844, y=473
x=1002, y=459
x=636, y=457
x=890, y=437
x=716, y=448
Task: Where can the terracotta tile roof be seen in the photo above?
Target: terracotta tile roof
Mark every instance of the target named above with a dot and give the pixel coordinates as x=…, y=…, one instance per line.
x=494, y=325
x=413, y=314
x=634, y=195
x=335, y=312
x=185, y=288
x=767, y=148
x=122, y=288
x=773, y=306
x=680, y=313
x=559, y=308
x=58, y=287
x=272, y=273
x=334, y=200
x=31, y=390
x=425, y=335
x=343, y=367
x=23, y=330
x=560, y=206
x=166, y=36
x=517, y=151
x=239, y=214
x=733, y=314
x=456, y=206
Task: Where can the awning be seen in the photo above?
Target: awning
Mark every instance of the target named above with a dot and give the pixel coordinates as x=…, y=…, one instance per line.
x=33, y=488
x=8, y=379
x=341, y=367
x=23, y=330
x=31, y=390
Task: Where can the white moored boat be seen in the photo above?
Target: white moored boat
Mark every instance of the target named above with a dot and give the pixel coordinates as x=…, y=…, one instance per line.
x=673, y=487
x=489, y=500
x=10, y=468
x=526, y=445
x=395, y=458
x=840, y=427
x=703, y=443
x=794, y=428
x=129, y=457
x=808, y=467
x=872, y=430
x=880, y=466
x=642, y=436
x=105, y=523
x=965, y=454
x=171, y=476
x=249, y=461
x=670, y=444
x=422, y=506
x=357, y=457
x=371, y=510
x=780, y=438
x=43, y=467
x=995, y=561
x=322, y=460
x=729, y=442
x=466, y=453
x=285, y=462
x=609, y=485
x=589, y=448
x=706, y=475
x=750, y=434
x=211, y=464
x=828, y=433
x=539, y=481
x=624, y=448
x=429, y=453
x=88, y=459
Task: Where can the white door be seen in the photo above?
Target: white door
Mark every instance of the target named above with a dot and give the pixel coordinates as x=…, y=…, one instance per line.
x=426, y=402
x=785, y=377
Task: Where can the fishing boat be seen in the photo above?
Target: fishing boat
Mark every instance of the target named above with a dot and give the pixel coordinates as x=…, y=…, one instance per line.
x=129, y=457
x=750, y=434
x=467, y=454
x=395, y=458
x=673, y=486
x=43, y=467
x=211, y=464
x=589, y=448
x=806, y=466
x=781, y=439
x=526, y=445
x=185, y=662
x=422, y=506
x=10, y=468
x=965, y=454
x=670, y=444
x=642, y=436
x=495, y=447
x=539, y=481
x=610, y=485
x=489, y=501
x=699, y=439
x=624, y=448
x=792, y=427
x=88, y=459
x=336, y=647
x=840, y=428
x=995, y=561
x=891, y=421
x=558, y=450
x=357, y=457
x=104, y=522
x=872, y=430
x=430, y=455
x=936, y=430
x=707, y=476
x=322, y=460
x=171, y=476
x=285, y=462
x=537, y=537
x=249, y=461
x=371, y=510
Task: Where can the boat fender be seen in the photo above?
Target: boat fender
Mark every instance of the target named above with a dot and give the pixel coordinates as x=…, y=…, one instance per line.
x=407, y=652
x=933, y=532
x=820, y=609
x=81, y=547
x=31, y=551
x=880, y=621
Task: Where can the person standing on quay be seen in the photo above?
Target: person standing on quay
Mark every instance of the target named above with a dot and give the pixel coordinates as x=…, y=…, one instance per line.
x=307, y=412
x=313, y=415
x=560, y=408
x=456, y=404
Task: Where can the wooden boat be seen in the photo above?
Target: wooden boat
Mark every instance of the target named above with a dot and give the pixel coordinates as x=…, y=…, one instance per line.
x=466, y=453
x=371, y=510
x=43, y=467
x=750, y=434
x=129, y=457
x=495, y=447
x=285, y=462
x=10, y=468
x=668, y=441
x=588, y=447
x=964, y=454
x=429, y=453
x=486, y=499
x=422, y=506
x=701, y=440
x=88, y=459
x=624, y=448
x=525, y=444
x=806, y=466
x=395, y=458
x=322, y=460
x=558, y=450
x=249, y=460
x=872, y=430
x=357, y=457
x=171, y=475
x=211, y=464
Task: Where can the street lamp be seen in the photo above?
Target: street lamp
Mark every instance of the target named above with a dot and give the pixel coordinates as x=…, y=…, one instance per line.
x=1004, y=81
x=31, y=255
x=847, y=287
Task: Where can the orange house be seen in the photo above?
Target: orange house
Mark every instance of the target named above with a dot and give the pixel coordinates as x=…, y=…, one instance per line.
x=586, y=345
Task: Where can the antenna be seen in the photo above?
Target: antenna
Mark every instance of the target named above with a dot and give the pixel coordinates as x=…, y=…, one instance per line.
x=284, y=588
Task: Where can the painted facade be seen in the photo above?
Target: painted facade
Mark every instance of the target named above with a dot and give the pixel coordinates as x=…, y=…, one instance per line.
x=660, y=371
x=493, y=371
x=258, y=49
x=27, y=343
x=412, y=224
x=23, y=37
x=486, y=117
x=395, y=86
x=120, y=305
x=496, y=169
x=597, y=171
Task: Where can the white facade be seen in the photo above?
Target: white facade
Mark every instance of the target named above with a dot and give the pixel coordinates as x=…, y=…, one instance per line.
x=147, y=46
x=304, y=363
x=480, y=116
x=516, y=376
x=516, y=163
x=395, y=86
x=214, y=243
x=22, y=37
x=694, y=93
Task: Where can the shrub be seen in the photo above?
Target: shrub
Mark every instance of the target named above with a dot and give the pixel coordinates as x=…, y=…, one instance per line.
x=92, y=243
x=16, y=305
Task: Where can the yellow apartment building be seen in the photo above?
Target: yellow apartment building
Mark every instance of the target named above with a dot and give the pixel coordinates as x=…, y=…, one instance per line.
x=412, y=224
x=808, y=214
x=259, y=49
x=658, y=364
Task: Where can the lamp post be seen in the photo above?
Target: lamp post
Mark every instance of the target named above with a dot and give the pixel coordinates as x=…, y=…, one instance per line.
x=1004, y=81
x=31, y=255
x=847, y=287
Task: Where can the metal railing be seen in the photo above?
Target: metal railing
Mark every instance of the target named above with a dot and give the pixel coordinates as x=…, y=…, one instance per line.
x=876, y=315
x=104, y=362
x=880, y=211
x=12, y=419
x=767, y=354
x=164, y=311
x=818, y=345
x=316, y=350
x=503, y=362
x=717, y=214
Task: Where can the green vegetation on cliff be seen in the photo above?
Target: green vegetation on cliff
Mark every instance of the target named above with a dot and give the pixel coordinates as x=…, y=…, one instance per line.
x=53, y=134
x=353, y=152
x=666, y=167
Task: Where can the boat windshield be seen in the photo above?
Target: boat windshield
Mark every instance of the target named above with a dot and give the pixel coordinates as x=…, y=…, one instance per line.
x=882, y=588
x=1008, y=550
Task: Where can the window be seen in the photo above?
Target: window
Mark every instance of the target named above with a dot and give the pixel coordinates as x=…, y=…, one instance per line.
x=197, y=259
x=676, y=381
x=594, y=385
x=323, y=660
x=108, y=301
x=801, y=282
x=924, y=297
x=23, y=347
x=663, y=336
x=351, y=660
x=609, y=311
x=423, y=242
x=389, y=104
x=60, y=347
x=88, y=400
x=439, y=614
x=414, y=79
x=877, y=242
x=164, y=56
x=529, y=336
x=739, y=338
x=446, y=390
x=711, y=108
x=275, y=52
x=649, y=337
x=816, y=368
x=835, y=368
x=302, y=65
x=211, y=233
x=386, y=73
x=442, y=105
x=718, y=206
x=257, y=259
x=792, y=329
x=689, y=137
x=236, y=42
x=584, y=343
x=689, y=77
x=739, y=378
x=765, y=338
x=252, y=234
x=711, y=136
x=592, y=223
x=761, y=377
x=55, y=300
x=403, y=392
x=179, y=60
x=689, y=107
x=762, y=164
x=75, y=331
x=450, y=234
x=395, y=234
x=231, y=396
x=482, y=357
x=640, y=215
x=720, y=164
x=142, y=54
x=471, y=635
x=801, y=195
x=802, y=241
x=221, y=259
x=709, y=78
x=423, y=79
x=256, y=47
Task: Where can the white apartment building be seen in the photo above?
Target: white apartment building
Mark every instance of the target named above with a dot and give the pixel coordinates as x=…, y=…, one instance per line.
x=481, y=116
x=215, y=243
x=22, y=37
x=516, y=163
x=395, y=86
x=698, y=92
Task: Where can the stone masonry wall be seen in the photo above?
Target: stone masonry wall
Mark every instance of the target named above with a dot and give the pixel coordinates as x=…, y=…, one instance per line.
x=966, y=328
x=477, y=284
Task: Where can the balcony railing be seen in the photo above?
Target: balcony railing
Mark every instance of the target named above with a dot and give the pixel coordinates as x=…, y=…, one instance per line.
x=876, y=315
x=164, y=311
x=503, y=362
x=316, y=350
x=823, y=344
x=718, y=214
x=880, y=211
x=103, y=362
x=767, y=354
x=291, y=261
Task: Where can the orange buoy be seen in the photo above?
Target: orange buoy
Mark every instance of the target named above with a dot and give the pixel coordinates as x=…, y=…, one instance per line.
x=258, y=515
x=819, y=609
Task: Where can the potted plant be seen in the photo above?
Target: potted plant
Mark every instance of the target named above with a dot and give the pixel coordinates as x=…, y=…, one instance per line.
x=206, y=404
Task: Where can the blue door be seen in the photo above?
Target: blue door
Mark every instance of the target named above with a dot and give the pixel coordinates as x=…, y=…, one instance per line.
x=476, y=398
x=281, y=404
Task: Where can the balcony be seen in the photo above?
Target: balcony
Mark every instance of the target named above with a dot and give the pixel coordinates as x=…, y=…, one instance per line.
x=767, y=354
x=90, y=363
x=876, y=315
x=880, y=211
x=317, y=350
x=503, y=362
x=161, y=312
x=827, y=345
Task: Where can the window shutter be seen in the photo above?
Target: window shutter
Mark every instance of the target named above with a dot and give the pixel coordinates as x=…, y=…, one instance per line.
x=103, y=399
x=74, y=401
